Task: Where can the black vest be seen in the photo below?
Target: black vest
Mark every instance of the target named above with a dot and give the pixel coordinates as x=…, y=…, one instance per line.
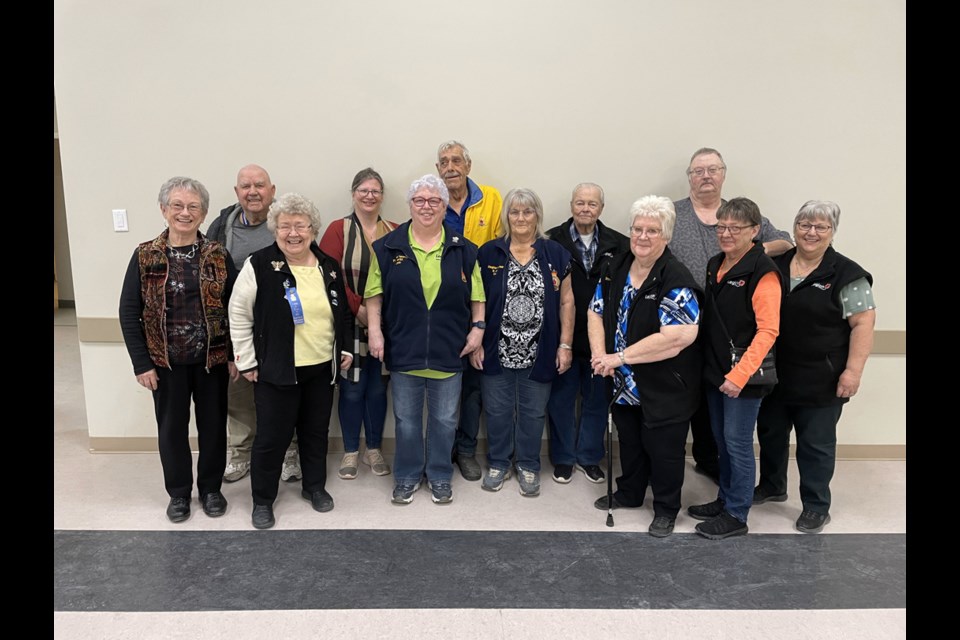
x=669, y=389
x=732, y=299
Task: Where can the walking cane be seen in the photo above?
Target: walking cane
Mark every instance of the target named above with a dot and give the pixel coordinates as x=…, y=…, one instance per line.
x=619, y=384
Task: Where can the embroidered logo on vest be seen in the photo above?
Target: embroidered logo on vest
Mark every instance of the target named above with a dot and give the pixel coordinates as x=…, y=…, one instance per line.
x=821, y=286
x=737, y=283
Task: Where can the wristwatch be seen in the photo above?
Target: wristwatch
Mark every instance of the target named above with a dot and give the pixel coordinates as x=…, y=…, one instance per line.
x=479, y=324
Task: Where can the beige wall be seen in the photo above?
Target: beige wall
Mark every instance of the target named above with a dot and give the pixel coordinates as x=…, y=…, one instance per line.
x=804, y=100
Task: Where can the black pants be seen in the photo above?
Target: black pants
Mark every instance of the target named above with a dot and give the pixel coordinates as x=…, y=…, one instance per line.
x=282, y=410
x=649, y=457
x=171, y=403
x=816, y=449
x=704, y=447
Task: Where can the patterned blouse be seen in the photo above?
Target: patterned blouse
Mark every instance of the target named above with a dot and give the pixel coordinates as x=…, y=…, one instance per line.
x=522, y=315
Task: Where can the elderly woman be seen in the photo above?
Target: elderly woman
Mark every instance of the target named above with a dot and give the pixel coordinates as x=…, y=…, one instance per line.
x=173, y=313
x=741, y=318
x=425, y=309
x=643, y=324
x=291, y=331
x=826, y=334
x=363, y=388
x=526, y=341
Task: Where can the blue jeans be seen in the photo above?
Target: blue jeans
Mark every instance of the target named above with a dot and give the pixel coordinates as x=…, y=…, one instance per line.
x=571, y=443
x=363, y=402
x=470, y=409
x=516, y=409
x=415, y=454
x=732, y=421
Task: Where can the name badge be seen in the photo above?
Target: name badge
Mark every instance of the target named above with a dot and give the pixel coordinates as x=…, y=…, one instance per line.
x=290, y=293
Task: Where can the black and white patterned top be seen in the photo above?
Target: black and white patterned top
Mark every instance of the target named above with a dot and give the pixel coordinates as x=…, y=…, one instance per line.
x=186, y=328
x=522, y=315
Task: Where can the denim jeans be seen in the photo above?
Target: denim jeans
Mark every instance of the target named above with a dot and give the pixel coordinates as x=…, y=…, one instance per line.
x=363, y=402
x=415, y=454
x=570, y=442
x=816, y=429
x=470, y=409
x=516, y=410
x=733, y=420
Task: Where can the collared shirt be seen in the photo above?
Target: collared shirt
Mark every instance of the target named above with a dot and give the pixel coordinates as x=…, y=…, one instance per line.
x=455, y=219
x=587, y=254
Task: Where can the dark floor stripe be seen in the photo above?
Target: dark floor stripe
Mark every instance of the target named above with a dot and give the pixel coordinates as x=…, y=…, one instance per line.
x=365, y=569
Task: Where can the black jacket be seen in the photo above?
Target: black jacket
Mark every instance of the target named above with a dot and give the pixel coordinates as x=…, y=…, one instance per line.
x=610, y=243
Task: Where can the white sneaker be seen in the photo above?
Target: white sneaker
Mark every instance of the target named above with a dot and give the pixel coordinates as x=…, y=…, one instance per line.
x=374, y=459
x=291, y=466
x=236, y=471
x=348, y=465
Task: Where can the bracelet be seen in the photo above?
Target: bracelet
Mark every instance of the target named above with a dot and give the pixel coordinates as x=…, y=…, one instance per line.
x=623, y=360
x=564, y=345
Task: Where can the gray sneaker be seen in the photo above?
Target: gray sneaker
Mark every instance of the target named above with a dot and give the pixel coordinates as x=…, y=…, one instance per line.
x=291, y=466
x=403, y=493
x=493, y=481
x=529, y=482
x=348, y=465
x=374, y=459
x=441, y=492
x=236, y=471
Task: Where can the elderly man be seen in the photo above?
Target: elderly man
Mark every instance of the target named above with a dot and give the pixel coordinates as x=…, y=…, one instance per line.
x=573, y=441
x=474, y=212
x=694, y=243
x=240, y=228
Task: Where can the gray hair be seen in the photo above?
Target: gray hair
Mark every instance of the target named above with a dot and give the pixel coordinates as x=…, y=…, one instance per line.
x=819, y=210
x=431, y=182
x=705, y=151
x=658, y=208
x=293, y=204
x=525, y=197
x=188, y=184
x=450, y=144
x=586, y=185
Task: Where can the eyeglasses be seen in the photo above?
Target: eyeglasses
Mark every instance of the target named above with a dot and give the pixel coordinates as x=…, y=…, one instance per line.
x=521, y=213
x=734, y=230
x=651, y=233
x=376, y=193
x=299, y=228
x=820, y=229
x=177, y=207
x=712, y=170
x=420, y=202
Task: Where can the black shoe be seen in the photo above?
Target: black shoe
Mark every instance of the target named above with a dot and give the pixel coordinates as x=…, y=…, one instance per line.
x=593, y=472
x=179, y=509
x=263, y=516
x=764, y=494
x=562, y=473
x=469, y=467
x=711, y=472
x=812, y=522
x=723, y=526
x=661, y=527
x=214, y=504
x=321, y=500
x=601, y=503
x=706, y=511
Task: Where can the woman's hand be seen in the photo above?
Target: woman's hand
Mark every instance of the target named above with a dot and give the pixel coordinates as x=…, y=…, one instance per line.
x=474, y=340
x=362, y=316
x=250, y=375
x=564, y=360
x=476, y=358
x=232, y=371
x=729, y=389
x=849, y=384
x=604, y=364
x=375, y=345
x=149, y=379
x=345, y=361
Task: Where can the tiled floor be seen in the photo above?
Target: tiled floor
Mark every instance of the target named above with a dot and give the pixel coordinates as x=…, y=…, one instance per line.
x=114, y=547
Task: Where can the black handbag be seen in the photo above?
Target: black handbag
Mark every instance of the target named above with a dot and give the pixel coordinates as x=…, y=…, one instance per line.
x=766, y=375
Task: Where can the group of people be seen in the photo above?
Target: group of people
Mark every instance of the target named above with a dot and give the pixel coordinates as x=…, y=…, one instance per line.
x=471, y=308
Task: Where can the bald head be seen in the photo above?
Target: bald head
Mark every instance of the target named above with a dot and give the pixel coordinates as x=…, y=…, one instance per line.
x=255, y=192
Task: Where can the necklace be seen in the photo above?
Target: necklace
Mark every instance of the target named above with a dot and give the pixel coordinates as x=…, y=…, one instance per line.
x=184, y=256
x=800, y=272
